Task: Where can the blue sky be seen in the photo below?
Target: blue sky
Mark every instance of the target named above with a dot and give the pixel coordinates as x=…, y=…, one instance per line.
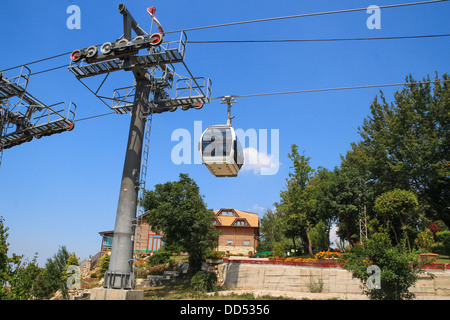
x=63, y=189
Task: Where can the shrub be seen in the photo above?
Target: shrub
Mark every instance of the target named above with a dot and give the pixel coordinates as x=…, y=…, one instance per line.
x=398, y=268
x=443, y=245
x=215, y=254
x=278, y=249
x=158, y=258
x=204, y=281
x=434, y=228
x=157, y=269
x=425, y=241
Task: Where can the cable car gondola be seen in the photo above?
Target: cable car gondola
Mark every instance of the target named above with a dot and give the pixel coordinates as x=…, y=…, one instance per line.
x=220, y=148
x=221, y=151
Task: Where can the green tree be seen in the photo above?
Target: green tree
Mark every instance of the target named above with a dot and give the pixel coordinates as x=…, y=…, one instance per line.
x=178, y=210
x=320, y=238
x=104, y=264
x=22, y=279
x=405, y=144
x=17, y=276
x=73, y=260
x=297, y=204
x=52, y=278
x=323, y=182
x=398, y=205
x=350, y=196
x=270, y=230
x=4, y=260
x=398, y=269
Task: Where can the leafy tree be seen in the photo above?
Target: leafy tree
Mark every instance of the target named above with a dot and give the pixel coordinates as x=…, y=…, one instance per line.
x=52, y=278
x=178, y=210
x=298, y=205
x=405, y=144
x=71, y=261
x=320, y=238
x=270, y=230
x=4, y=260
x=323, y=182
x=22, y=279
x=17, y=276
x=350, y=196
x=397, y=205
x=398, y=269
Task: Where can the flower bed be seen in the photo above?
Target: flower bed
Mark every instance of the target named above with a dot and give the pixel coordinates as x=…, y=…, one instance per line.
x=323, y=256
x=303, y=263
x=320, y=264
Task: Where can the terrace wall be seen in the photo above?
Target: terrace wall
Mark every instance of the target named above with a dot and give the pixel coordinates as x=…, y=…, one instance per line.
x=279, y=276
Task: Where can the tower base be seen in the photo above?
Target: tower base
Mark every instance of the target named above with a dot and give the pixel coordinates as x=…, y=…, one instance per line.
x=116, y=294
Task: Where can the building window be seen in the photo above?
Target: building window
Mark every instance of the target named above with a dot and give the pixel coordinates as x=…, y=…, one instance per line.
x=246, y=243
x=240, y=223
x=154, y=243
x=108, y=240
x=229, y=242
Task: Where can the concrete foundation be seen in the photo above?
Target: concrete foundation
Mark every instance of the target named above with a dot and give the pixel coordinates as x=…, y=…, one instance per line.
x=116, y=294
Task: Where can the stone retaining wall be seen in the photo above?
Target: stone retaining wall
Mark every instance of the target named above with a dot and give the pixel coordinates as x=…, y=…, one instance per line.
x=312, y=279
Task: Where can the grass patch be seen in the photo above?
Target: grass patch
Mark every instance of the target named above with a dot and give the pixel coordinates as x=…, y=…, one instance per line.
x=179, y=258
x=180, y=290
x=177, y=290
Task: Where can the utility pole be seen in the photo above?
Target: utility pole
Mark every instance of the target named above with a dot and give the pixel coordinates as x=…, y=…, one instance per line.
x=151, y=95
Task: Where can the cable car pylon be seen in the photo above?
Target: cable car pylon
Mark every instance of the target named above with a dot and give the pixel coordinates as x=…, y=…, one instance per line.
x=154, y=79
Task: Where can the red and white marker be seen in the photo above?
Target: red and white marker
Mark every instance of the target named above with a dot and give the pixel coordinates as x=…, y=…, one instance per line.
x=151, y=11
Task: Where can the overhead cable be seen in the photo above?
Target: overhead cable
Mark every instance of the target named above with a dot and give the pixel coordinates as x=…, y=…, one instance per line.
x=330, y=89
x=271, y=19
x=316, y=40
x=296, y=92
x=304, y=15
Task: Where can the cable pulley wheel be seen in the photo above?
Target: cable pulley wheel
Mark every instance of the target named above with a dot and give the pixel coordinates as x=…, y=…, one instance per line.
x=91, y=52
x=106, y=48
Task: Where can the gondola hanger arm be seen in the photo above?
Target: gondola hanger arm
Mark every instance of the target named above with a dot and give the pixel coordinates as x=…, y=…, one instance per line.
x=229, y=100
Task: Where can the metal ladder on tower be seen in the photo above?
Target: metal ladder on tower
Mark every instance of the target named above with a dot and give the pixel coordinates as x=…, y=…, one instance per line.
x=3, y=128
x=143, y=176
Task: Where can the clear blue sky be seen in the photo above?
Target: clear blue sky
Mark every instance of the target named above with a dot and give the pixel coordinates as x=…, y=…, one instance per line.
x=63, y=189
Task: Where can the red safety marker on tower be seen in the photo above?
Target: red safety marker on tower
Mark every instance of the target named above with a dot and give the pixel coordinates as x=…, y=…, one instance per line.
x=151, y=11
